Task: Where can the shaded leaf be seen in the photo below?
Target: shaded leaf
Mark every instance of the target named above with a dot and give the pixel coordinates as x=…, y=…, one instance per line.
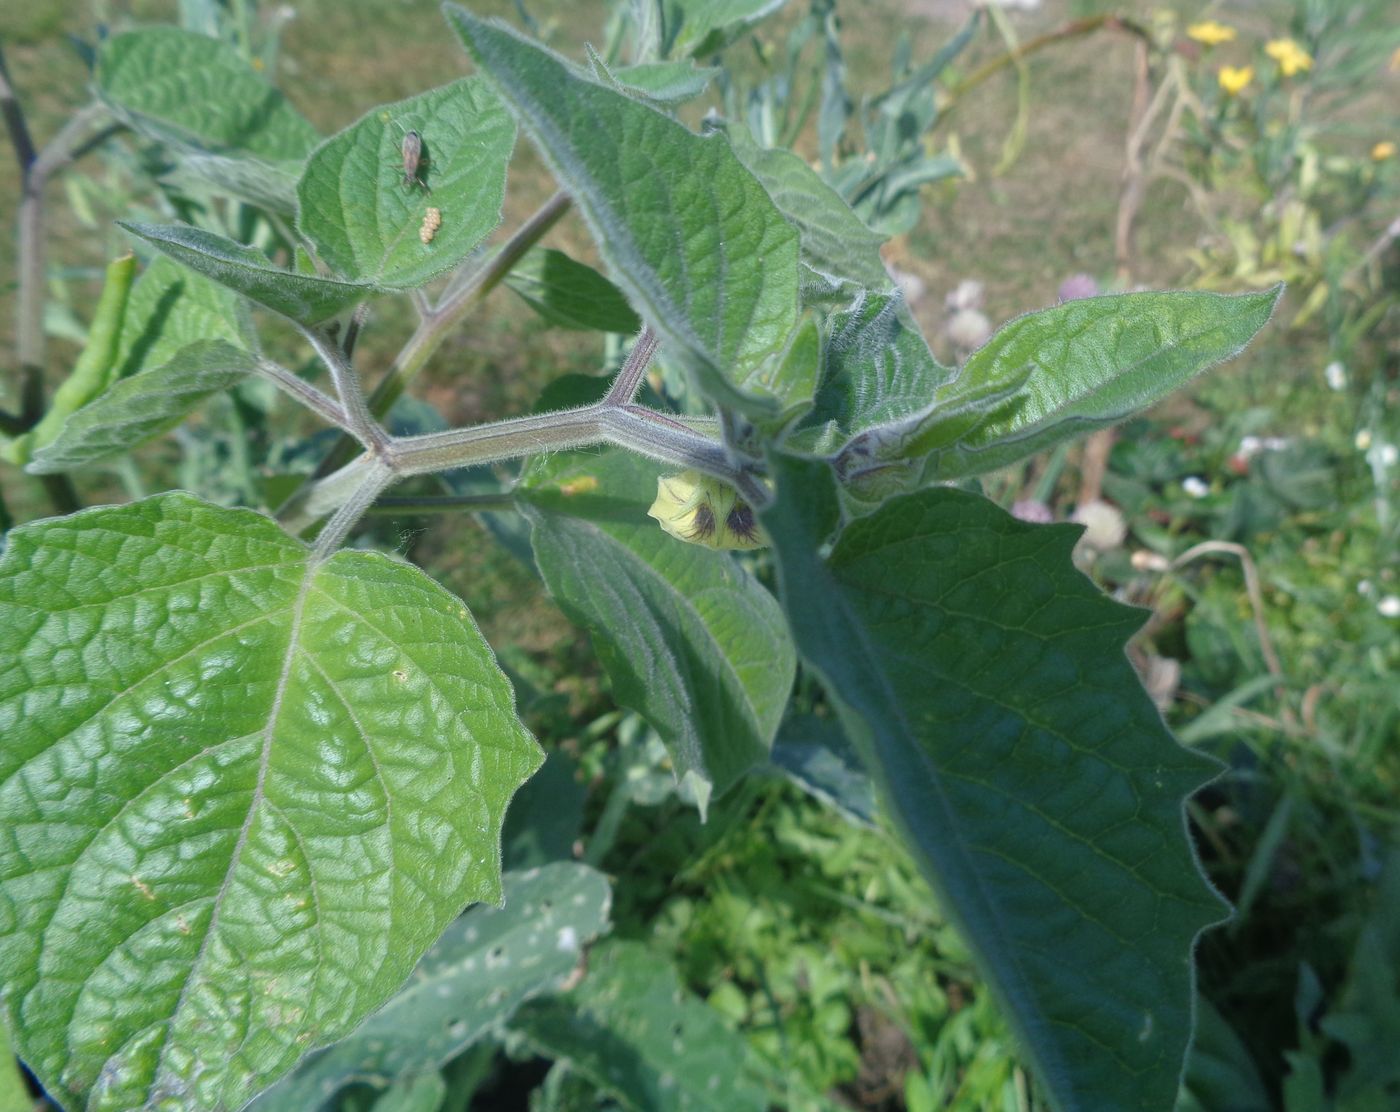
x=243, y=793
x=689, y=639
x=637, y=1034
x=303, y=297
x=815, y=755
x=486, y=964
x=569, y=294
x=705, y=26
x=172, y=307
x=983, y=681
x=686, y=231
x=137, y=409
x=365, y=219
x=835, y=241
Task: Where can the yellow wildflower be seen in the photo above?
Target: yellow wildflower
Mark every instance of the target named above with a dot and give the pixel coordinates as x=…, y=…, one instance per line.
x=1394, y=64
x=1233, y=79
x=1291, y=57
x=1383, y=150
x=1210, y=33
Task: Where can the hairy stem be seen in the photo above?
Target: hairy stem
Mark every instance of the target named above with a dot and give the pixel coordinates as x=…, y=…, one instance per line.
x=462, y=294
x=358, y=421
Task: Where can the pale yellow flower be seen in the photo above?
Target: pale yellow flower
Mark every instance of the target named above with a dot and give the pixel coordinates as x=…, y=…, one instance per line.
x=698, y=509
x=1210, y=33
x=1383, y=150
x=1233, y=79
x=1394, y=64
x=1291, y=57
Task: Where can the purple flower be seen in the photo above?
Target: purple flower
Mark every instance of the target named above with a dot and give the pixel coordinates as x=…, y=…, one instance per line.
x=1078, y=285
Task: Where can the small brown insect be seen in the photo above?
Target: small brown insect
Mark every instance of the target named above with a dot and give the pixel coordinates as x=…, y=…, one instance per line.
x=432, y=221
x=412, y=159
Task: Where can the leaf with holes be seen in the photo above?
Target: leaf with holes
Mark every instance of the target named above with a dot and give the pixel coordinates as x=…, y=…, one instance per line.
x=243, y=792
x=486, y=965
x=637, y=1034
x=687, y=232
x=689, y=638
x=365, y=211
x=306, y=298
x=983, y=680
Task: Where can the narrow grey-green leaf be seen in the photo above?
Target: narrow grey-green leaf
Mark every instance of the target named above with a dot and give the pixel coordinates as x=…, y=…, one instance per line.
x=136, y=409
x=1081, y=365
x=424, y=1092
x=569, y=294
x=700, y=249
x=368, y=222
x=243, y=791
x=636, y=1033
x=665, y=84
x=468, y=984
x=267, y=184
x=196, y=90
x=835, y=241
x=704, y=26
x=303, y=297
x=984, y=682
x=689, y=639
x=815, y=754
x=172, y=307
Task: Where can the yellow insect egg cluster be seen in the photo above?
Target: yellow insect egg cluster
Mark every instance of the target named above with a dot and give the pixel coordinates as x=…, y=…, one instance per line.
x=432, y=221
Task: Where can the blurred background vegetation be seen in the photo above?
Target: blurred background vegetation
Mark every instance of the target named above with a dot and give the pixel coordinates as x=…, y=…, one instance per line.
x=1060, y=149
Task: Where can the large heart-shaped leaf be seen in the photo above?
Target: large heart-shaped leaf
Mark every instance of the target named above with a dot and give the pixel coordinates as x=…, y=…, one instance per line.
x=242, y=792
x=688, y=233
x=984, y=681
x=688, y=637
x=368, y=222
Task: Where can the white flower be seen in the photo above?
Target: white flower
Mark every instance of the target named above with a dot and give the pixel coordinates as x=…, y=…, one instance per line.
x=1104, y=527
x=968, y=295
x=1364, y=588
x=1336, y=375
x=1363, y=440
x=969, y=328
x=1389, y=607
x=1383, y=455
x=1195, y=486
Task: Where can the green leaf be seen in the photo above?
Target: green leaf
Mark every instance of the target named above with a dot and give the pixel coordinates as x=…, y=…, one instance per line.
x=664, y=84
x=368, y=223
x=305, y=298
x=269, y=185
x=705, y=26
x=139, y=408
x=632, y=1030
x=835, y=241
x=815, y=755
x=468, y=984
x=571, y=295
x=243, y=793
x=689, y=639
x=1078, y=367
x=983, y=681
x=172, y=307
x=197, y=91
x=686, y=231
x=423, y=1093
